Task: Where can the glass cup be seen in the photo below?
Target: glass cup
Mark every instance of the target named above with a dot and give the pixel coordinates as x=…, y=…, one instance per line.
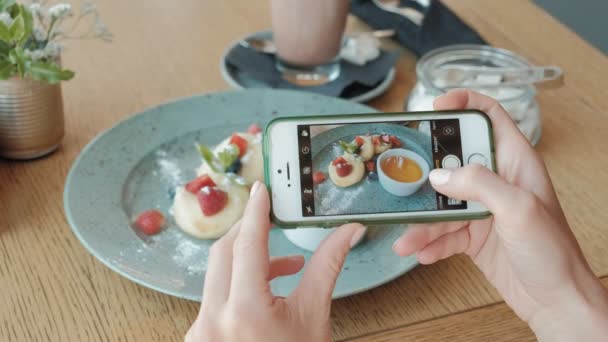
x=308, y=36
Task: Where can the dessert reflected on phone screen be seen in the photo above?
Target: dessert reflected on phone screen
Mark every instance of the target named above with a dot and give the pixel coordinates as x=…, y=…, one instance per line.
x=367, y=168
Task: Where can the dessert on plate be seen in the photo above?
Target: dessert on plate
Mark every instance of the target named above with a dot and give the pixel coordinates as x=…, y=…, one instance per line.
x=207, y=206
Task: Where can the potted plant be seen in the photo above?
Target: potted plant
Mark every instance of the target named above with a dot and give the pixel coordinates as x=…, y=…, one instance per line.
x=31, y=106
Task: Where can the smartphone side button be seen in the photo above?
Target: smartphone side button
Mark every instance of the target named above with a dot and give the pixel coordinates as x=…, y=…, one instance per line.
x=478, y=158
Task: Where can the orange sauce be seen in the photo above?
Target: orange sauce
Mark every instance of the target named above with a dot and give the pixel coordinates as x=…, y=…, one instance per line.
x=401, y=169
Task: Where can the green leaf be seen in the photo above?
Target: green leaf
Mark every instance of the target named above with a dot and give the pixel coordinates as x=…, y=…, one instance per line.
x=348, y=148
x=5, y=34
x=4, y=49
x=5, y=4
x=17, y=58
x=209, y=158
x=48, y=72
x=28, y=22
x=228, y=155
x=17, y=29
x=7, y=70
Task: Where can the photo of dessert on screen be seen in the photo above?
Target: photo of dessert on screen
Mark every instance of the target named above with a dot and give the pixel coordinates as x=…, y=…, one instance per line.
x=371, y=168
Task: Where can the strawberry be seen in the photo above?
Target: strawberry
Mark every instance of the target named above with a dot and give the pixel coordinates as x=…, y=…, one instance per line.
x=150, y=222
x=344, y=170
x=395, y=141
x=240, y=142
x=376, y=140
x=370, y=165
x=195, y=185
x=339, y=160
x=254, y=129
x=318, y=177
x=359, y=141
x=212, y=200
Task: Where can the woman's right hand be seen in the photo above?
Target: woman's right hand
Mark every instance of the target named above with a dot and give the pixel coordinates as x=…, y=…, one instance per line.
x=526, y=250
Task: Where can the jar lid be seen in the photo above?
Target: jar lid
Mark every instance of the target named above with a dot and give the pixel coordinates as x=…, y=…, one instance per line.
x=428, y=67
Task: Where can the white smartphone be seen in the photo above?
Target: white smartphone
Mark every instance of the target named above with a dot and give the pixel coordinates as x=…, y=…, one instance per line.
x=371, y=168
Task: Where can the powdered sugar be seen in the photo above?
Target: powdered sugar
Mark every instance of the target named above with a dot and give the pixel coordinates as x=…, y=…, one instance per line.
x=168, y=168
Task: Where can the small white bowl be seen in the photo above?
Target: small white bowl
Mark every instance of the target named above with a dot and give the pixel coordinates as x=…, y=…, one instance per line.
x=402, y=188
x=310, y=238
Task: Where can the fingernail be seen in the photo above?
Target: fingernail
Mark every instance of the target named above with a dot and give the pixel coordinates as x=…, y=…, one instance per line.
x=254, y=188
x=440, y=176
x=357, y=236
x=394, y=244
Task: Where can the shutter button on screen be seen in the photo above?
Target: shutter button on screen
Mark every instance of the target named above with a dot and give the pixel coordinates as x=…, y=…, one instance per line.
x=450, y=162
x=478, y=158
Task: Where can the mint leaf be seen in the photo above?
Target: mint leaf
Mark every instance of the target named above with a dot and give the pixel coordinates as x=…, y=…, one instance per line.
x=49, y=72
x=209, y=158
x=228, y=155
x=348, y=148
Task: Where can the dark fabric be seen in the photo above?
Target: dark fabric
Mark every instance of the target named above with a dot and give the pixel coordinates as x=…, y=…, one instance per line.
x=440, y=26
x=353, y=80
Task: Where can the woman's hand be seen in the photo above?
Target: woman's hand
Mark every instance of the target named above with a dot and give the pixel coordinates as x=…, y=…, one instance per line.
x=526, y=250
x=238, y=304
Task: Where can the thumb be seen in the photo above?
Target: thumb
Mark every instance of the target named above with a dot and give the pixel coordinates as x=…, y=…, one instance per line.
x=313, y=294
x=476, y=183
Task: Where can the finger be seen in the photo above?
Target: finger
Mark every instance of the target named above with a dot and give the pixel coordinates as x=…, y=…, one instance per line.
x=444, y=247
x=219, y=271
x=314, y=292
x=477, y=183
x=284, y=266
x=417, y=236
x=504, y=127
x=250, y=263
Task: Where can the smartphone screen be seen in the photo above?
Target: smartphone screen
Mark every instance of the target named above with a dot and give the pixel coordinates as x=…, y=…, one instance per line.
x=434, y=143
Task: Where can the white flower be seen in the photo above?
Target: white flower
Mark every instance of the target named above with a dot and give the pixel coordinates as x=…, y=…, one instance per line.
x=59, y=10
x=35, y=55
x=53, y=50
x=35, y=8
x=39, y=34
x=6, y=18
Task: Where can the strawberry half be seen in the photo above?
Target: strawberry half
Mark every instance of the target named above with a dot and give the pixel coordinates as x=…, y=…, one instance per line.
x=370, y=165
x=240, y=142
x=344, y=170
x=254, y=129
x=150, y=222
x=359, y=141
x=395, y=141
x=339, y=160
x=212, y=200
x=195, y=185
x=318, y=177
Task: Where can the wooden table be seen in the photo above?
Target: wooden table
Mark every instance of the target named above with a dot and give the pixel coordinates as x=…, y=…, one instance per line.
x=54, y=290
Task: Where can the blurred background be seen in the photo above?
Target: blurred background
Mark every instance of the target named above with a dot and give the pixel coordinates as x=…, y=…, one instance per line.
x=585, y=17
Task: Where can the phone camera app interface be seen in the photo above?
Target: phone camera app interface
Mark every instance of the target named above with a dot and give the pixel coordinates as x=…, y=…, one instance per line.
x=368, y=168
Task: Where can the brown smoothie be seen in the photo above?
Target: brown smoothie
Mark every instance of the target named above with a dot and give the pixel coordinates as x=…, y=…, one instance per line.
x=308, y=32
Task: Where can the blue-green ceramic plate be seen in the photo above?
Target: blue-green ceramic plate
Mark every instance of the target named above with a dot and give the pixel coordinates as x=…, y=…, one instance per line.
x=137, y=164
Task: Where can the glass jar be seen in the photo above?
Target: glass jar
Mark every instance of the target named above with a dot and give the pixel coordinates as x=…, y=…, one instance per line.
x=518, y=101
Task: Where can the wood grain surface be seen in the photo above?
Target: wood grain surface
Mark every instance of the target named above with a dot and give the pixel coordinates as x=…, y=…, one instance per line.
x=54, y=290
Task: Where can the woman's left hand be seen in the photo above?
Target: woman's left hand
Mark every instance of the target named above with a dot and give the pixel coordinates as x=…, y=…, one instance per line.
x=238, y=304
